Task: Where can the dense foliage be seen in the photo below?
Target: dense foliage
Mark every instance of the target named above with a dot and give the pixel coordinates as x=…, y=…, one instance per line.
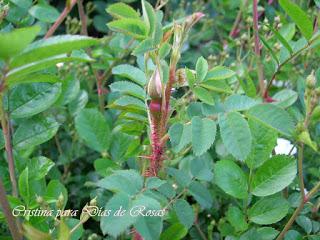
x=159, y=120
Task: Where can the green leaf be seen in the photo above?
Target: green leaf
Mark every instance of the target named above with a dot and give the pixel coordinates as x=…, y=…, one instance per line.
x=54, y=189
x=201, y=167
x=39, y=167
x=50, y=47
x=201, y=69
x=274, y=175
x=184, y=212
x=35, y=131
x=180, y=136
x=12, y=43
x=130, y=72
x=219, y=86
x=115, y=225
x=266, y=44
x=133, y=27
x=122, y=10
x=204, y=95
x=305, y=223
x=273, y=117
x=143, y=47
x=44, y=13
x=27, y=100
x=154, y=182
x=239, y=103
x=299, y=17
x=77, y=104
x=64, y=231
x=33, y=78
x=200, y=194
x=129, y=103
x=164, y=50
x=237, y=219
x=285, y=98
x=235, y=134
x=24, y=186
x=149, y=16
x=267, y=233
x=203, y=134
x=175, y=232
x=219, y=73
x=1, y=139
x=126, y=181
x=129, y=88
x=231, y=179
x=268, y=210
x=281, y=39
x=264, y=140
x=105, y=167
x=32, y=233
x=93, y=128
x=19, y=72
x=190, y=77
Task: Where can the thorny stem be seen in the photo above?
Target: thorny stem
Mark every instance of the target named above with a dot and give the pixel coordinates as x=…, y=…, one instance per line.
x=83, y=18
x=257, y=46
x=60, y=19
x=8, y=146
x=14, y=230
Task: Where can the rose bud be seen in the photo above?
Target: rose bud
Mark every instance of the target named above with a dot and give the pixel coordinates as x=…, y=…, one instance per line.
x=155, y=85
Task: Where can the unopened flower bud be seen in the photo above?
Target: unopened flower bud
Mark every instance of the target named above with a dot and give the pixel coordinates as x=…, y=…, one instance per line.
x=155, y=85
x=311, y=80
x=193, y=19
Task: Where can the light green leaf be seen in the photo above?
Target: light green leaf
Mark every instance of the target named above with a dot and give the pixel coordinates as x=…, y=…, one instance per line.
x=299, y=17
x=235, y=134
x=46, y=48
x=200, y=194
x=203, y=134
x=33, y=78
x=54, y=189
x=129, y=88
x=201, y=69
x=133, y=27
x=285, y=98
x=130, y=72
x=268, y=210
x=149, y=16
x=154, y=182
x=93, y=128
x=105, y=167
x=129, y=103
x=184, y=212
x=219, y=86
x=24, y=186
x=180, y=136
x=264, y=139
x=175, y=232
x=77, y=104
x=39, y=167
x=219, y=73
x=126, y=181
x=35, y=131
x=12, y=43
x=267, y=233
x=281, y=39
x=44, y=13
x=143, y=47
x=32, y=233
x=27, y=100
x=122, y=10
x=64, y=231
x=190, y=77
x=204, y=95
x=231, y=179
x=237, y=219
x=274, y=175
x=239, y=103
x=273, y=117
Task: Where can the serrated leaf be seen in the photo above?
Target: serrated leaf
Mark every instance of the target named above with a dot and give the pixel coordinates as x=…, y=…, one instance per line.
x=122, y=10
x=133, y=27
x=274, y=175
x=129, y=103
x=200, y=194
x=184, y=212
x=239, y=103
x=124, y=181
x=105, y=167
x=129, y=88
x=264, y=140
x=201, y=69
x=231, y=179
x=305, y=223
x=273, y=117
x=203, y=134
x=299, y=17
x=268, y=210
x=12, y=43
x=219, y=86
x=27, y=100
x=201, y=167
x=180, y=136
x=46, y=48
x=130, y=72
x=285, y=98
x=235, y=134
x=204, y=95
x=35, y=131
x=93, y=128
x=219, y=73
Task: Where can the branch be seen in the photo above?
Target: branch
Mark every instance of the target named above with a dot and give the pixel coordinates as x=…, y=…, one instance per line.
x=15, y=233
x=83, y=18
x=237, y=21
x=60, y=19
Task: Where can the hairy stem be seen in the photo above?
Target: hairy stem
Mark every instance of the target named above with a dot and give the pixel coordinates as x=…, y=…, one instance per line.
x=257, y=46
x=14, y=230
x=8, y=146
x=60, y=19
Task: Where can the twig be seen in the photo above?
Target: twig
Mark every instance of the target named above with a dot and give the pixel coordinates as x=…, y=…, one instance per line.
x=60, y=19
x=14, y=230
x=8, y=147
x=257, y=46
x=237, y=20
x=83, y=18
x=300, y=171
